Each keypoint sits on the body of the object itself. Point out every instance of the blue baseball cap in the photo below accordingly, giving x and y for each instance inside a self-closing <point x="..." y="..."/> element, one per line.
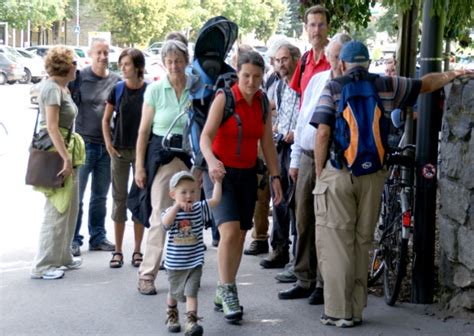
<point x="354" y="52"/>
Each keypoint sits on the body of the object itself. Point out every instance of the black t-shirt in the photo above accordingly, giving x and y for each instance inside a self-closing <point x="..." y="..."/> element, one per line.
<point x="127" y="117"/>
<point x="92" y="91"/>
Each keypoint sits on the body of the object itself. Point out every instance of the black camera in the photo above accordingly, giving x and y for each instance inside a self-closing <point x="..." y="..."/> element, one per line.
<point x="278" y="140"/>
<point x="175" y="141"/>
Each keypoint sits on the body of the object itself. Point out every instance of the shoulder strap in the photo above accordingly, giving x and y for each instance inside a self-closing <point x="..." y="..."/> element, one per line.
<point x="279" y="91"/>
<point x="75" y="88"/>
<point x="304" y="58"/>
<point x="229" y="107"/>
<point x="119" y="89"/>
<point x="265" y="107"/>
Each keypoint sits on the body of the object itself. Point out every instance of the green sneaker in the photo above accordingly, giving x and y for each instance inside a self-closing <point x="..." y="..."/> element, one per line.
<point x="230" y="303"/>
<point x="192" y="328"/>
<point x="172" y="320"/>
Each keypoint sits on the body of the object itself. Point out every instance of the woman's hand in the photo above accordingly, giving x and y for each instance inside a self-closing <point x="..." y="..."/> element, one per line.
<point x="67" y="169"/>
<point x="112" y="151"/>
<point x="216" y="170"/>
<point x="277" y="192"/>
<point x="140" y="178"/>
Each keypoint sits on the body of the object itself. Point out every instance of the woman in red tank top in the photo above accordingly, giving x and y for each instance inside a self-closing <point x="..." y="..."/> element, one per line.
<point x="231" y="156"/>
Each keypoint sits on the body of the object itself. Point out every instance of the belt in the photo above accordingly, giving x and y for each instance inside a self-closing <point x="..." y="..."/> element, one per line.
<point x="309" y="153"/>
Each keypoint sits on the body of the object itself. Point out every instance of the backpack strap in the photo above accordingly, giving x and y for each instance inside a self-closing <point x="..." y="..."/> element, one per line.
<point x="119" y="89"/>
<point x="75" y="88"/>
<point x="304" y="58"/>
<point x="279" y="91"/>
<point x="229" y="111"/>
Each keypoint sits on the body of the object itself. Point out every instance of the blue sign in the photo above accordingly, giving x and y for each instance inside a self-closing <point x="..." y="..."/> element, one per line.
<point x="77" y="29"/>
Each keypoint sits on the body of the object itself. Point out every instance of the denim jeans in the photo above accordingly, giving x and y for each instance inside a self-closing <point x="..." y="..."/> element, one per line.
<point x="98" y="165"/>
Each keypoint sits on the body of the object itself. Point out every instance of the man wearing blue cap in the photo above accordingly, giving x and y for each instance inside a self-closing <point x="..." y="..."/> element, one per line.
<point x="347" y="206"/>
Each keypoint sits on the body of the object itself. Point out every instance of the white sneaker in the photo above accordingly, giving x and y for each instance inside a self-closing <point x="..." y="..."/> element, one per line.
<point x="75" y="264"/>
<point x="52" y="274"/>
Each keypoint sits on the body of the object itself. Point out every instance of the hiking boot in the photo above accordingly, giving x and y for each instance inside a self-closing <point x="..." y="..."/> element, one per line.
<point x="338" y="322"/>
<point x="257" y="247"/>
<point x="146" y="287"/>
<point x="218" y="297"/>
<point x="278" y="259"/>
<point x="172" y="320"/>
<point x="192" y="328"/>
<point x="288" y="275"/>
<point x="230" y="303"/>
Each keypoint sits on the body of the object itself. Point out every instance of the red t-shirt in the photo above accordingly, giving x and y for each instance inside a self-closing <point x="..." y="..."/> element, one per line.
<point x="225" y="143"/>
<point x="311" y="68"/>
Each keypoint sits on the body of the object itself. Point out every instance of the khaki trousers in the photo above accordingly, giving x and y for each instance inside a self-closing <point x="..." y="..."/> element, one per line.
<point x="306" y="262"/>
<point x="57" y="231"/>
<point x="262" y="207"/>
<point x="160" y="200"/>
<point x="347" y="210"/>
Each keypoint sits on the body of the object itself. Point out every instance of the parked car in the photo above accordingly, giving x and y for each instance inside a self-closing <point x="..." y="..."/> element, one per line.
<point x="10" y="71"/>
<point x="42" y="50"/>
<point x="84" y="60"/>
<point x="34" y="66"/>
<point x="35" y="92"/>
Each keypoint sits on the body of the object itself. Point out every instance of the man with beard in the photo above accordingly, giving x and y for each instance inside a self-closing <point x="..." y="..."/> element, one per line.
<point x="287" y="103"/>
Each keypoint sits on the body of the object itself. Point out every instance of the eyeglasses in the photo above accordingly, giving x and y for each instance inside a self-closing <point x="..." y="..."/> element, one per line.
<point x="74" y="63"/>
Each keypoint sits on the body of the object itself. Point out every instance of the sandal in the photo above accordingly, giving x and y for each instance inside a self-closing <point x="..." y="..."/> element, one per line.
<point x="117" y="260"/>
<point x="137" y="259"/>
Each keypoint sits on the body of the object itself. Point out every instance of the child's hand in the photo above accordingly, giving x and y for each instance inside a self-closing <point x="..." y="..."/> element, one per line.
<point x="185" y="206"/>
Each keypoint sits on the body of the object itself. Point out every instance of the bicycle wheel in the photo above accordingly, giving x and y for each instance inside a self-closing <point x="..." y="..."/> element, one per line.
<point x="376" y="267"/>
<point x="394" y="248"/>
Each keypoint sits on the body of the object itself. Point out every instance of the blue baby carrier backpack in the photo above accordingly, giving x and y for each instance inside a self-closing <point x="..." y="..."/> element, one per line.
<point x="207" y="73"/>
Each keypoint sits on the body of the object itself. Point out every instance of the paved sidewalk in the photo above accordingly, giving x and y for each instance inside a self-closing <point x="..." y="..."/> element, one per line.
<point x="97" y="300"/>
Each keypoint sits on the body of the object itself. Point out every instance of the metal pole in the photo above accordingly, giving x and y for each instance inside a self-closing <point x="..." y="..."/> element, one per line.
<point x="77" y="22"/>
<point x="429" y="121"/>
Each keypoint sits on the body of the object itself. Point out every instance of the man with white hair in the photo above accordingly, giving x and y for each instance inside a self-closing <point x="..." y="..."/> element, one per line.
<point x="302" y="171"/>
<point x="90" y="91"/>
<point x="347" y="206"/>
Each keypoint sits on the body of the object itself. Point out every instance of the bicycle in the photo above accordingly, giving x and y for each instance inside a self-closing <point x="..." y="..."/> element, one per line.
<point x="390" y="258"/>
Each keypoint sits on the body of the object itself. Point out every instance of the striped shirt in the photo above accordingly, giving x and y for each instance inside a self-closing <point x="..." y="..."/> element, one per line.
<point x="394" y="92"/>
<point x="185" y="248"/>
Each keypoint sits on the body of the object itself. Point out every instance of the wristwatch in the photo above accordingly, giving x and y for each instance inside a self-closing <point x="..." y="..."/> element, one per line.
<point x="275" y="177"/>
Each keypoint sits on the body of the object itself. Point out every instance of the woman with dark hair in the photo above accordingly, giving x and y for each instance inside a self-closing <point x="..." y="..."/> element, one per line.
<point x="58" y="113"/>
<point x="220" y="144"/>
<point x="126" y="99"/>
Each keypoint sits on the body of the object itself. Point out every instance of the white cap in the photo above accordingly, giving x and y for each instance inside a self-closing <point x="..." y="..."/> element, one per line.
<point x="182" y="175"/>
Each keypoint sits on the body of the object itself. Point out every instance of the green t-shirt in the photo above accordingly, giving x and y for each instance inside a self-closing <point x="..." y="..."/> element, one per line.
<point x="52" y="95"/>
<point x="162" y="97"/>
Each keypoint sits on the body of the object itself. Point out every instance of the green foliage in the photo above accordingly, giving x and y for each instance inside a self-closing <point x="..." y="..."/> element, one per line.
<point x="388" y="22"/>
<point x="41" y="13"/>
<point x="291" y="23"/>
<point x="133" y="21"/>
<point x="459" y="13"/>
<point x="344" y="12"/>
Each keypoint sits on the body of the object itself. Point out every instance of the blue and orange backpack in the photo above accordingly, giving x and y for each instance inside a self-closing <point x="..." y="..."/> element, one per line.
<point x="361" y="129"/>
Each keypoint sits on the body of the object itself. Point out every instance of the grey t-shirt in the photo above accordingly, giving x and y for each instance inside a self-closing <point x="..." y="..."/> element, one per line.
<point x="94" y="91"/>
<point x="52" y="94"/>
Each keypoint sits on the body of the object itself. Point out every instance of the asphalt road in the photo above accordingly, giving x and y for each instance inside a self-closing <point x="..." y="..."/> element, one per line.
<point x="97" y="300"/>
